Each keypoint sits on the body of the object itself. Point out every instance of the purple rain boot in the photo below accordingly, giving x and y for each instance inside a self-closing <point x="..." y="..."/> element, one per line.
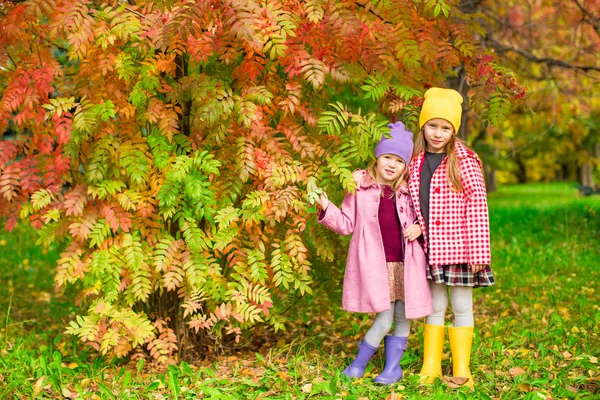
<point x="394" y="349"/>
<point x="356" y="369"/>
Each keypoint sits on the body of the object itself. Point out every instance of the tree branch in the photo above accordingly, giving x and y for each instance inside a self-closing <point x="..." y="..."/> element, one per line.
<point x="551" y="62"/>
<point x="594" y="21"/>
<point x="11" y="59"/>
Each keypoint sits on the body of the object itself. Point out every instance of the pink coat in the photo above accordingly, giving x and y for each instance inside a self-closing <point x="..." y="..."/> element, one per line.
<point x="458" y="222"/>
<point x="366" y="286"/>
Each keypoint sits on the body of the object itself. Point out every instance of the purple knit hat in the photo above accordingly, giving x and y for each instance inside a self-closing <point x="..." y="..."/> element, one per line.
<point x="400" y="144"/>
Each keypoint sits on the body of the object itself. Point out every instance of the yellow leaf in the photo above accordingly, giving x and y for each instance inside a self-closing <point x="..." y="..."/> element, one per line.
<point x="523" y="352"/>
<point x="575" y="329"/>
<point x="564" y="311"/>
<point x="307" y="388"/>
<point x="283" y="376"/>
<point x="37" y="388"/>
<point x="526" y="387"/>
<point x="593" y="359"/>
<point x="567" y="355"/>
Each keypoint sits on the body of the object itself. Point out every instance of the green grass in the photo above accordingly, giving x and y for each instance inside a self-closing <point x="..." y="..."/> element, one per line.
<point x="537" y="328"/>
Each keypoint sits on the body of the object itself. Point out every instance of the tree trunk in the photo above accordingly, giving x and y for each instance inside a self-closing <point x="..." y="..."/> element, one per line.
<point x="586" y="178"/>
<point x="490" y="178"/>
<point x="521" y="172"/>
<point x="491" y="183"/>
<point x="459" y="84"/>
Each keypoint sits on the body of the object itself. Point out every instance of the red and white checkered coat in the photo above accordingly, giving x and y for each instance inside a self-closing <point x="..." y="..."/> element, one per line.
<point x="458" y="222"/>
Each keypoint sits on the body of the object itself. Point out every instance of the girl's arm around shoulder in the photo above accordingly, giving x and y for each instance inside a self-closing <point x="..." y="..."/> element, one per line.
<point x="340" y="220"/>
<point x="413" y="230"/>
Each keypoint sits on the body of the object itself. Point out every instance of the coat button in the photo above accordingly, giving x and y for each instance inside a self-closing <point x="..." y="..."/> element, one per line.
<point x="437" y="190"/>
<point x="437" y="223"/>
<point x="401" y="209"/>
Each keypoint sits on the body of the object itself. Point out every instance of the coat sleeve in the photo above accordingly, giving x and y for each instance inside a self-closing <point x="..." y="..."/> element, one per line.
<point x="477" y="224"/>
<point x="411" y="210"/>
<point x="342" y="220"/>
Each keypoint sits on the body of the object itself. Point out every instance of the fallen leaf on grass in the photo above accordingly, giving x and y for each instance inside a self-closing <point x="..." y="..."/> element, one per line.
<point x="393" y="396"/>
<point x="37" y="388"/>
<point x="516" y="371"/>
<point x="68" y="394"/>
<point x="593" y="360"/>
<point x="564" y="312"/>
<point x="283" y="375"/>
<point x="526" y="387"/>
<point x="307" y="388"/>
<point x="572" y="389"/>
<point x="567" y="355"/>
<point x="455" y="382"/>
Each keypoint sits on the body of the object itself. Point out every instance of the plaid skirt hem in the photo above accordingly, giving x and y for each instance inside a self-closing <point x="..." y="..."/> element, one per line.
<point x="460" y="275"/>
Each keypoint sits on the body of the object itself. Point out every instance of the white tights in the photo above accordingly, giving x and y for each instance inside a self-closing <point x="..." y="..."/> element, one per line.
<point x="462" y="304"/>
<point x="383" y="324"/>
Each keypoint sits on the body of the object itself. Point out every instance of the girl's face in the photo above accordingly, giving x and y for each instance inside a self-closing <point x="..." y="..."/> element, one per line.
<point x="389" y="168"/>
<point x="438" y="133"/>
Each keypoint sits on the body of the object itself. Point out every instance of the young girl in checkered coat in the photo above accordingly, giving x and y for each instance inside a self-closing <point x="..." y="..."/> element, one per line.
<point x="447" y="186"/>
<point x="386" y="266"/>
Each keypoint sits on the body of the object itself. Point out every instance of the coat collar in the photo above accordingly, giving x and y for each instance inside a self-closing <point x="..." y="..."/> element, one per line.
<point x="368" y="182"/>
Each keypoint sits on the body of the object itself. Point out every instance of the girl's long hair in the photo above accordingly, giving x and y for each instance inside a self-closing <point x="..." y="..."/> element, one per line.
<point x="452" y="168"/>
<point x="400" y="181"/>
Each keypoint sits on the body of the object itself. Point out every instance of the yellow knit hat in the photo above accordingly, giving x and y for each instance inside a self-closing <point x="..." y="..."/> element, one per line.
<point x="442" y="103"/>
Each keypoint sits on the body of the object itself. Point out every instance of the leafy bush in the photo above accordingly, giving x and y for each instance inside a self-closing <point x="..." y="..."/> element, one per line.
<point x="167" y="147"/>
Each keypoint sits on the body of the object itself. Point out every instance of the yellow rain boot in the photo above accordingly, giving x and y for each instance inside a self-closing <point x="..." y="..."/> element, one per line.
<point x="461" y="339"/>
<point x="433" y="345"/>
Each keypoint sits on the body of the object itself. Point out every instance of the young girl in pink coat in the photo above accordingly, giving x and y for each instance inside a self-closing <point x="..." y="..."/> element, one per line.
<point x="447" y="187"/>
<point x="386" y="267"/>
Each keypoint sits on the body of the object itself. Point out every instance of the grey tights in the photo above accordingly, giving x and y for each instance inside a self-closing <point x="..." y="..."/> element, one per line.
<point x="462" y="304"/>
<point x="383" y="324"/>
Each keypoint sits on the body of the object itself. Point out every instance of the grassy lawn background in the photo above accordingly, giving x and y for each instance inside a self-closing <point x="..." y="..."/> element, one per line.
<point x="536" y="329"/>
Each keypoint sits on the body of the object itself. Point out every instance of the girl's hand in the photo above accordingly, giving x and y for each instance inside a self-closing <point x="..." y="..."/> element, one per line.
<point x="412" y="232"/>
<point x="323" y="202"/>
<point x="476" y="268"/>
<point x="358" y="176"/>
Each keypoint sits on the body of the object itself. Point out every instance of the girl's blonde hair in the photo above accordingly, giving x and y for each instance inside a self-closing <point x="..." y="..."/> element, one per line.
<point x="400" y="181"/>
<point x="452" y="167"/>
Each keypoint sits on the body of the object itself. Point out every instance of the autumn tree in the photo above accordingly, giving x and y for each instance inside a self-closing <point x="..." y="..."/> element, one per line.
<point x="167" y="146"/>
<point x="554" y="47"/>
